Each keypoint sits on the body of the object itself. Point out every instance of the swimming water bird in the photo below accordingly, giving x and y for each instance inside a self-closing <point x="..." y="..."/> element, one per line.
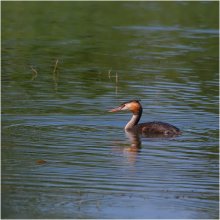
<point x="149" y="128"/>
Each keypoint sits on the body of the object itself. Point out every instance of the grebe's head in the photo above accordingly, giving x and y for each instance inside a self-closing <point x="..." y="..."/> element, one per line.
<point x="133" y="106"/>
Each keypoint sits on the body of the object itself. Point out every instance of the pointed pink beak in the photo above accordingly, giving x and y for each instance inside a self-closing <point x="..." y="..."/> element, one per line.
<point x="116" y="109"/>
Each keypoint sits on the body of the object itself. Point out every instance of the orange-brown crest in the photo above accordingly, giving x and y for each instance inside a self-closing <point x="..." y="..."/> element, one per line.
<point x="134" y="106"/>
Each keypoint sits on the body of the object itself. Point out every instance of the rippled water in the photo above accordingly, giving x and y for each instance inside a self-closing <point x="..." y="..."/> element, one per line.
<point x="64" y="155"/>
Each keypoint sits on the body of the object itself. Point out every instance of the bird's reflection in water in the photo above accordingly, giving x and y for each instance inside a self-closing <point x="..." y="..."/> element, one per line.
<point x="135" y="141"/>
<point x="131" y="151"/>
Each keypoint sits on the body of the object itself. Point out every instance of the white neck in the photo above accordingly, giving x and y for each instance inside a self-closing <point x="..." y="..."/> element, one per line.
<point x="134" y="121"/>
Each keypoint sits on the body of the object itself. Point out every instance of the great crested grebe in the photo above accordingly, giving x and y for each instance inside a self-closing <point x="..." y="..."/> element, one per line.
<point x="148" y="128"/>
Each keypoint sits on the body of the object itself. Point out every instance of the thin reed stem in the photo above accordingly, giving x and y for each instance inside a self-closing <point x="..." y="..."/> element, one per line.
<point x="34" y="73"/>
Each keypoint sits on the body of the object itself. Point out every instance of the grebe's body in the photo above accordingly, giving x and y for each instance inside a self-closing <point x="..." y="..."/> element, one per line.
<point x="148" y="128"/>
